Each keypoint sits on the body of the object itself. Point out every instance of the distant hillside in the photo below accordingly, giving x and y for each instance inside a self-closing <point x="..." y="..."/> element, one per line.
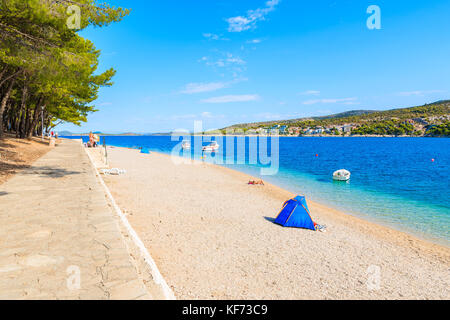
<point x="438" y="108"/>
<point x="346" y="114"/>
<point x="418" y="121"/>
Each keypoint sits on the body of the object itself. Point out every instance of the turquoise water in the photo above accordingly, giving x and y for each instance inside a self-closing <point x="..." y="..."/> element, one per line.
<point x="394" y="181"/>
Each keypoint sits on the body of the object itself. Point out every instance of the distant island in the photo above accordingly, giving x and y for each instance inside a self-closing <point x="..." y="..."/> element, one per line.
<point x="429" y="120"/>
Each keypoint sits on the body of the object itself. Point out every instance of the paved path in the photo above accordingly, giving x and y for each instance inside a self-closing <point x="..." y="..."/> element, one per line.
<point x="55" y="223"/>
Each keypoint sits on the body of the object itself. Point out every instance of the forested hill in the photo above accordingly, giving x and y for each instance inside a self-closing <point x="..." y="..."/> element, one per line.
<point x="439" y="108"/>
<point x="420" y="120"/>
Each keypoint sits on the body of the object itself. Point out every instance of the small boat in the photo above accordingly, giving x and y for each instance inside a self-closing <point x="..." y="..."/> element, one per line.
<point x="186" y="145"/>
<point x="213" y="146"/>
<point x="342" y="175"/>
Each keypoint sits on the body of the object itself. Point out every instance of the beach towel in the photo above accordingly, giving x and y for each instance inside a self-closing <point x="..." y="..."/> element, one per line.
<point x="113" y="172"/>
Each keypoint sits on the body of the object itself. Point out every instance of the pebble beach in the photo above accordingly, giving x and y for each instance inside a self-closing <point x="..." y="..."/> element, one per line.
<point x="212" y="236"/>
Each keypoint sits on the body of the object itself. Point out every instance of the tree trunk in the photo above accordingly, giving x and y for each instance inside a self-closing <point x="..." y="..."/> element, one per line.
<point x="34" y="122"/>
<point x="17" y="121"/>
<point x="3" y="105"/>
<point x="2" y="73"/>
<point x="20" y="132"/>
<point x="8" y="116"/>
<point x="27" y="123"/>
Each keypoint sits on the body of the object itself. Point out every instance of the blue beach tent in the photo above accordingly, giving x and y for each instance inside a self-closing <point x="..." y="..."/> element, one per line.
<point x="295" y="214"/>
<point x="145" y="150"/>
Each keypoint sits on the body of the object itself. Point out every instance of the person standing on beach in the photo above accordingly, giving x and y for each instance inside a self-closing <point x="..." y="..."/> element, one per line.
<point x="91" y="139"/>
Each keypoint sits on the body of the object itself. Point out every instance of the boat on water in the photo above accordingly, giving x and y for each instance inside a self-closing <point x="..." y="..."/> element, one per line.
<point x="186" y="145"/>
<point x="213" y="146"/>
<point x="341" y="175"/>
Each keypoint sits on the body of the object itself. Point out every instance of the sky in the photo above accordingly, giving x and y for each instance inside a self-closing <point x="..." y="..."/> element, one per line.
<point x="238" y="61"/>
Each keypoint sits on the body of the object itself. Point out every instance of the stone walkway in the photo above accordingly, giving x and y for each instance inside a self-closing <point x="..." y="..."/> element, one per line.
<point x="59" y="238"/>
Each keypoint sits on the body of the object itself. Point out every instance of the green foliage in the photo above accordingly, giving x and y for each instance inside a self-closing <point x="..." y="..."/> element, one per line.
<point x="390" y="122"/>
<point x="442" y="130"/>
<point x="389" y="127"/>
<point x="51" y="64"/>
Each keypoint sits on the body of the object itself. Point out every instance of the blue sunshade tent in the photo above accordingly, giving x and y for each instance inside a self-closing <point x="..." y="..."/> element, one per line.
<point x="295" y="214"/>
<point x="145" y="150"/>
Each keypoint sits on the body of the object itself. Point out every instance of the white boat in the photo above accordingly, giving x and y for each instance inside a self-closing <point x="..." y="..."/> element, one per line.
<point x="342" y="175"/>
<point x="186" y="145"/>
<point x="213" y="146"/>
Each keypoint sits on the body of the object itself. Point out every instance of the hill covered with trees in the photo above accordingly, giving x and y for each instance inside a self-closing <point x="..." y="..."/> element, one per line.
<point x="427" y="120"/>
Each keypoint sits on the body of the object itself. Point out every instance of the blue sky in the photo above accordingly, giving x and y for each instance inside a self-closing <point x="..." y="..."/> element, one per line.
<point x="233" y="61"/>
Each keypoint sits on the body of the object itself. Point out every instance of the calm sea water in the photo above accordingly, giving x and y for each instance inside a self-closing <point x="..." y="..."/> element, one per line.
<point x="394" y="180"/>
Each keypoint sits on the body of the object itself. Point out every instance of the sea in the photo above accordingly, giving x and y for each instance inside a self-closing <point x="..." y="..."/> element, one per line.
<point x="402" y="183"/>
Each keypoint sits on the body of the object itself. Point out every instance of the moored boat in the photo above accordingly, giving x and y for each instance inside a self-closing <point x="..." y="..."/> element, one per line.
<point x="341" y="175"/>
<point x="186" y="145"/>
<point x="213" y="146"/>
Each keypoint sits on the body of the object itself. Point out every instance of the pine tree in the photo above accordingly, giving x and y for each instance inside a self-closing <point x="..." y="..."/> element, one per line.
<point x="47" y="70"/>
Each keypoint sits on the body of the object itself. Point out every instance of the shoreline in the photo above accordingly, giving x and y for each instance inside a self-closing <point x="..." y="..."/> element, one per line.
<point x="286" y="194"/>
<point x="212" y="236"/>
<point x="366" y="219"/>
<point x="258" y="135"/>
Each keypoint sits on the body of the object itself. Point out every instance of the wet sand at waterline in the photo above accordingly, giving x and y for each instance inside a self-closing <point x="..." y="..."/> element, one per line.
<point x="212" y="237"/>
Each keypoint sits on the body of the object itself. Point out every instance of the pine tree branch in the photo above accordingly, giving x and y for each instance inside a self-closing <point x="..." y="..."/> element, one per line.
<point x="10" y="77"/>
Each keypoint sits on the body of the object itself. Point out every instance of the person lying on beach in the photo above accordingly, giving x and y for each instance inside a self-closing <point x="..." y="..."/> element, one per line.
<point x="252" y="182"/>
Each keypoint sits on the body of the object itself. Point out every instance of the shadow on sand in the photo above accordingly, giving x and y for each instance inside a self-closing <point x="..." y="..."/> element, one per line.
<point x="50" y="172"/>
<point x="270" y="219"/>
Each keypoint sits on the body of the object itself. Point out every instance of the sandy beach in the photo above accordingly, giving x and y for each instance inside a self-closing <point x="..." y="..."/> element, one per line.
<point x="17" y="154"/>
<point x="212" y="237"/>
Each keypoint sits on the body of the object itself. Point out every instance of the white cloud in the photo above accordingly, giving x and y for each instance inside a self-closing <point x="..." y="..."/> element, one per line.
<point x="206" y="114"/>
<point x="192" y="88"/>
<point x="227" y="60"/>
<point x="238" y="24"/>
<point x="419" y="93"/>
<point x="345" y="101"/>
<point x="225" y="63"/>
<point x="254" y="41"/>
<point x="242" y="23"/>
<point x="232" y="98"/>
<point x="310" y="93"/>
<point x="234" y="60"/>
<point x="212" y="36"/>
